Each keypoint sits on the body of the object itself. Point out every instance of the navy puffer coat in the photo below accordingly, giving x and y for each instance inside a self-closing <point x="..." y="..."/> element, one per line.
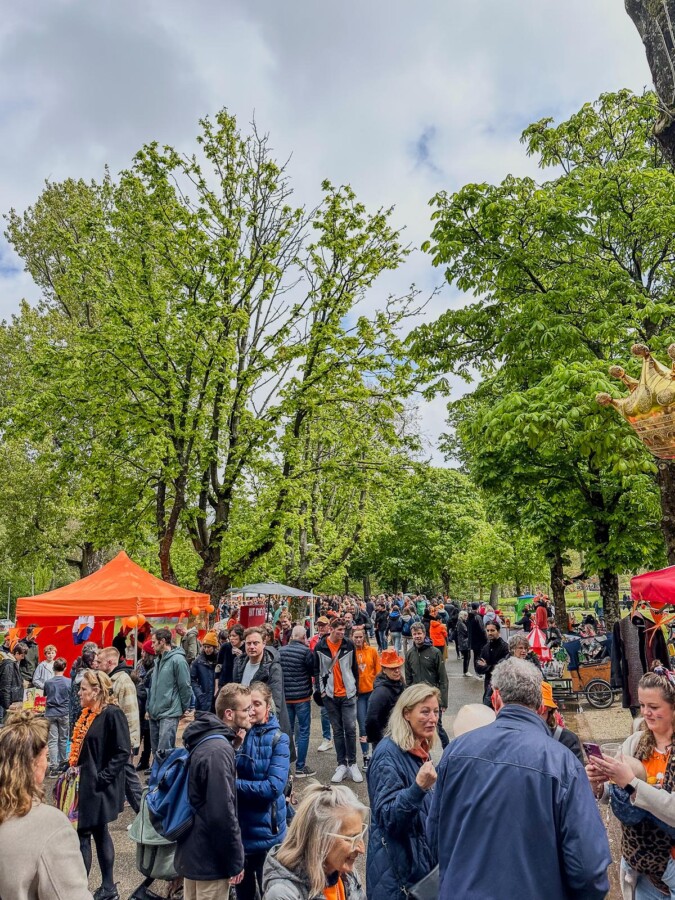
<point x="203" y="677"/>
<point x="398" y="853"/>
<point x="263" y="763"/>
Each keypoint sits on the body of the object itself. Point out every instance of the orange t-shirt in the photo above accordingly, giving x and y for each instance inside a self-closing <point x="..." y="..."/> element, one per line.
<point x="335" y="891"/>
<point x="338" y="683"/>
<point x="369" y="665"/>
<point x="655" y="767"/>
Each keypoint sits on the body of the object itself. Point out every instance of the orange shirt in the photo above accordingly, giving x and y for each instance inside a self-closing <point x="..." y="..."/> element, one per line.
<point x="338" y="683"/>
<point x="335" y="891"/>
<point x="369" y="665"/>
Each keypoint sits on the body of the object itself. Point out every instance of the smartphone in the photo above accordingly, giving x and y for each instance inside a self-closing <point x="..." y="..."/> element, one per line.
<point x="592" y="750"/>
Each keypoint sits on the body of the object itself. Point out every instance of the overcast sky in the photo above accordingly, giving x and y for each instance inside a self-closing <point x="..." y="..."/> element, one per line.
<point x="398" y="99"/>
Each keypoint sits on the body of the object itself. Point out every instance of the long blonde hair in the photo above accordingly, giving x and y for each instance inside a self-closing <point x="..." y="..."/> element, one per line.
<point x="399" y="729"/>
<point x="101" y="682"/>
<point x="22" y="739"/>
<point x="308" y="841"/>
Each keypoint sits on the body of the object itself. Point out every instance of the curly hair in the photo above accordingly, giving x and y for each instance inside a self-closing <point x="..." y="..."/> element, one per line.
<point x="22" y="739"/>
<point x="662" y="680"/>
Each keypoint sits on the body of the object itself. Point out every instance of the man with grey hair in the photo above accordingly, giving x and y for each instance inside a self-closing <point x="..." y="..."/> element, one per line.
<point x="297" y="666"/>
<point x="509" y="790"/>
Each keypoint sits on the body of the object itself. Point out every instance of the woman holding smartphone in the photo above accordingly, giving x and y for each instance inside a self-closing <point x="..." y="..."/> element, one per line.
<point x="647" y="766"/>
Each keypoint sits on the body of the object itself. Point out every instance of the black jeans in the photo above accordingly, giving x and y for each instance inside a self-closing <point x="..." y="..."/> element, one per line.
<point x="342" y="715"/>
<point x="445" y="740"/>
<point x="251" y="883"/>
<point x="466" y="659"/>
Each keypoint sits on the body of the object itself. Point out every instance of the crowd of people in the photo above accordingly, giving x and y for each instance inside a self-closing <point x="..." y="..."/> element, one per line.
<point x="510" y="786"/>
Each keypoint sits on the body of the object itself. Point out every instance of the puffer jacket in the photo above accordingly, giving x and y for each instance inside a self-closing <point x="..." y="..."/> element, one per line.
<point x="323" y="667"/>
<point x="297" y="664"/>
<point x="380" y="704"/>
<point x="280" y="883"/>
<point x="463" y="637"/>
<point x="398" y="853"/>
<point x="170" y="690"/>
<point x="438" y="633"/>
<point x="203" y="677"/>
<point x="263" y="764"/>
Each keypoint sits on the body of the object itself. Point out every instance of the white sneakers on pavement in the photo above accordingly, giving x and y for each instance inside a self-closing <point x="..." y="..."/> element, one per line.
<point x="325" y="745"/>
<point x="339" y="775"/>
<point x="355" y="773"/>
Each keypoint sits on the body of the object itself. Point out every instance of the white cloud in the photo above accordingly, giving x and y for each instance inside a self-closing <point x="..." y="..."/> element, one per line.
<point x="398" y="99"/>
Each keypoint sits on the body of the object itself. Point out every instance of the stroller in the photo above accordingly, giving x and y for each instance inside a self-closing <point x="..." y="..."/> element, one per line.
<point x="154" y="857"/>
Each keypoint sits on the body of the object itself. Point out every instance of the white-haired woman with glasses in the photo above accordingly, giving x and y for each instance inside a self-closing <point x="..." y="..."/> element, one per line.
<point x="401" y="777"/>
<point x="318" y="856"/>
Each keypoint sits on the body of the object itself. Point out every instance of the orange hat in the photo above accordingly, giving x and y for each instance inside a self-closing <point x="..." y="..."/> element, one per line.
<point x="390" y="659"/>
<point x="547" y="696"/>
<point x="210" y="639"/>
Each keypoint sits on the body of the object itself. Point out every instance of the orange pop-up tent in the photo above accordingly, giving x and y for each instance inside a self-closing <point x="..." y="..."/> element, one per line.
<point x="120" y="588"/>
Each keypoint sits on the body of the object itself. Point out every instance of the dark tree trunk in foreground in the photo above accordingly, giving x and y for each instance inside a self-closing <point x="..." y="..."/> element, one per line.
<point x="366" y="587"/>
<point x="494" y="595"/>
<point x="558" y="591"/>
<point x="609" y="592"/>
<point x="666" y="481"/>
<point x="655" y="22"/>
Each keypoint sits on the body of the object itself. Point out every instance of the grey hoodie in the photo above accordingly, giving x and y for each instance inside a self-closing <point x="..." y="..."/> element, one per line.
<point x="280" y="883"/>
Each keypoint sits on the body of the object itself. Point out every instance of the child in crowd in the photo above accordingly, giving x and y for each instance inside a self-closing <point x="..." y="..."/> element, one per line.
<point x="57" y="693"/>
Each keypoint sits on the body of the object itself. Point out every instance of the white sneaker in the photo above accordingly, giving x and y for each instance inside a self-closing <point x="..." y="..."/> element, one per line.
<point x="355" y="773"/>
<point x="325" y="745"/>
<point x="467" y="674"/>
<point x="339" y="775"/>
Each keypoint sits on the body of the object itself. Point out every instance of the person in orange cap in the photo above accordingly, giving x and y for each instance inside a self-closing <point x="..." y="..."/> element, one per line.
<point x="548" y="712"/>
<point x="389" y="685"/>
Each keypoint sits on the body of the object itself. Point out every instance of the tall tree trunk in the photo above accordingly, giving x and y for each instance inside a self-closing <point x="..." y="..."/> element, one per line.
<point x="666" y="482"/>
<point x="609" y="592"/>
<point x="366" y="587"/>
<point x="518" y="589"/>
<point x="347" y="583"/>
<point x="480" y="591"/>
<point x="494" y="594"/>
<point x="445" y="576"/>
<point x="404" y="585"/>
<point x="655" y="22"/>
<point x="558" y="590"/>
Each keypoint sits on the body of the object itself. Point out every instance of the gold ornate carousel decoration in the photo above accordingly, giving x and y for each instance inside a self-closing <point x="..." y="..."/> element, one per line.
<point x="650" y="406"/>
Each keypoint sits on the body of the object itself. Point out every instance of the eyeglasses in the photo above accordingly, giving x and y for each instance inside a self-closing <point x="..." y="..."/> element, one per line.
<point x="354" y="840"/>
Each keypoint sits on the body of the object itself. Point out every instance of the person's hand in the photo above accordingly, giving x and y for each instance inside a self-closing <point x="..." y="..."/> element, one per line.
<point x="481" y="663"/>
<point x="617" y="770"/>
<point x="236" y="651"/>
<point x="596" y="777"/>
<point x="237" y="879"/>
<point x="427" y="775"/>
<point x="239" y="738"/>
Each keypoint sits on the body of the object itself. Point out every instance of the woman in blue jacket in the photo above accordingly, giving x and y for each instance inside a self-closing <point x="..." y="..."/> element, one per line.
<point x="401" y="776"/>
<point x="263" y="765"/>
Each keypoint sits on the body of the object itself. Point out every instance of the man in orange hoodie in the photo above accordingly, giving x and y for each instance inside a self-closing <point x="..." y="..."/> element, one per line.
<point x="438" y="633"/>
<point x="369" y="666"/>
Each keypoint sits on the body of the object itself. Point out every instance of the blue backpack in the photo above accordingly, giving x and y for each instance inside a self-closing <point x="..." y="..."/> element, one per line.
<point x="169" y="807"/>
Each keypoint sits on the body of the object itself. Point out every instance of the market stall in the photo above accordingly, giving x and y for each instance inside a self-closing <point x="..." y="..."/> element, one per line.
<point x="87" y="609"/>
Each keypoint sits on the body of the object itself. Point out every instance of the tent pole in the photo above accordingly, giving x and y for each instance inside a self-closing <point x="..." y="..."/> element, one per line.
<point x="135" y="645"/>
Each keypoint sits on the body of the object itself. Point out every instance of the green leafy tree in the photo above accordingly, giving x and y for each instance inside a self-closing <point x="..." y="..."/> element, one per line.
<point x="197" y="333"/>
<point x="567" y="275"/>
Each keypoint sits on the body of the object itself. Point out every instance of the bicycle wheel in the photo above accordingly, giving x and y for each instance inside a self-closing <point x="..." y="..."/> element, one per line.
<point x="599" y="693"/>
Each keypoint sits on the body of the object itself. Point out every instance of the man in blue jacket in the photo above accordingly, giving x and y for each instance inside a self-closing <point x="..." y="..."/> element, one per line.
<point x="509" y="792"/>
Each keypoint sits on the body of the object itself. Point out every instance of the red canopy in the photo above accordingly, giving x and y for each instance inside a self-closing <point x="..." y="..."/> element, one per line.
<point x="657" y="588"/>
<point x="120" y="588"/>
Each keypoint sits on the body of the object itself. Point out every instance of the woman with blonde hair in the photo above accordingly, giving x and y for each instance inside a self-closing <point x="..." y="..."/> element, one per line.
<point x="323" y="842"/>
<point x="38" y="847"/>
<point x="100" y="748"/>
<point x="400" y="778"/>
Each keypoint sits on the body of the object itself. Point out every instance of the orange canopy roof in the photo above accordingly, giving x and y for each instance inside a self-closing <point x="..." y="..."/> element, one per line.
<point x="120" y="588"/>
